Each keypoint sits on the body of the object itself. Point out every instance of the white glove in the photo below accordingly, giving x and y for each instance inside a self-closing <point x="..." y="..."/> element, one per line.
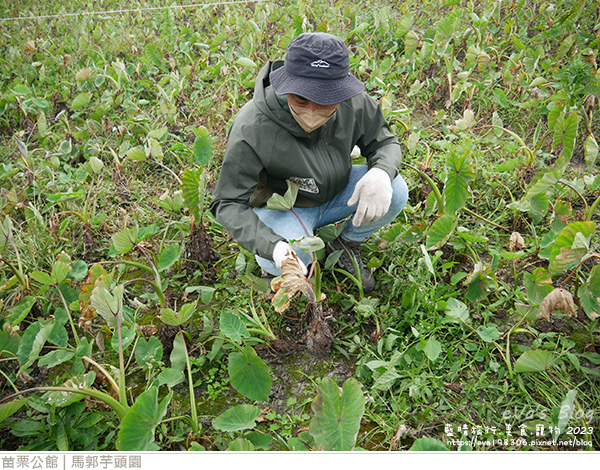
<point x="373" y="192"/>
<point x="284" y="251"/>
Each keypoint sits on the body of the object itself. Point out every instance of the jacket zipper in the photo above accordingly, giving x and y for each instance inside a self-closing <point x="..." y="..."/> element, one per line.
<point x="325" y="167"/>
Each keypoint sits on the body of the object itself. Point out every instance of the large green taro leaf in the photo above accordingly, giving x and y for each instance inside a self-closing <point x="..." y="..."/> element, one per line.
<point x="336" y="422"/>
<point x="137" y="427"/>
<point x="249" y="375"/>
<point x="238" y="418"/>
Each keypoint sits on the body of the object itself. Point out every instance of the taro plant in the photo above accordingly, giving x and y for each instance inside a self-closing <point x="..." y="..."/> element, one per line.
<point x="568" y="245"/>
<point x="79" y="202"/>
<point x="334" y="427"/>
<point x="449" y="203"/>
<point x="532" y="360"/>
<point x="566" y="253"/>
<point x="192" y="182"/>
<point x="338" y="413"/>
<point x="61" y="269"/>
<point x="28" y="347"/>
<point x="110" y="306"/>
<point x="193" y="186"/>
<point x="239" y="419"/>
<point x="454" y="195"/>
<point x="257" y="323"/>
<point x="23" y="99"/>
<point x="248" y="375"/>
<point x="48" y="427"/>
<point x="128" y="239"/>
<point x="290" y="283"/>
<point x="138" y="421"/>
<point x="180" y="358"/>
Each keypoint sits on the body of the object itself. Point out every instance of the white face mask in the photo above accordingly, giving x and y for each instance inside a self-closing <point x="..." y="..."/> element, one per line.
<point x="311" y="120"/>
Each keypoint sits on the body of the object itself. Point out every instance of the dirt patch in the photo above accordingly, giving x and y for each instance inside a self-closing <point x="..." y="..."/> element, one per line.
<point x="302" y="350"/>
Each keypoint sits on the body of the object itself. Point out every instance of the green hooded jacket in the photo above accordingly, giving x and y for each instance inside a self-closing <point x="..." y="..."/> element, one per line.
<point x="266" y="147"/>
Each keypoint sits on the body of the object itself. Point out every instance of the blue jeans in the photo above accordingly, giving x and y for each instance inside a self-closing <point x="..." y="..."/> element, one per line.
<point x="286" y="224"/>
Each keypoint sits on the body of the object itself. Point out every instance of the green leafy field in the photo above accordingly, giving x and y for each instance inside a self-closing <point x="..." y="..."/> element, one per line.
<point x="132" y="321"/>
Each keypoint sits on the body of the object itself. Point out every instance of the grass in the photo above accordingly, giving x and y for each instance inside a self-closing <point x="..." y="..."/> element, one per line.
<point x="450" y="337"/>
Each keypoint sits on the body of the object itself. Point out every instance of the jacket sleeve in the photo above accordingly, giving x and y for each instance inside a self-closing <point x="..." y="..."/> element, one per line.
<point x="231" y="200"/>
<point x="377" y="142"/>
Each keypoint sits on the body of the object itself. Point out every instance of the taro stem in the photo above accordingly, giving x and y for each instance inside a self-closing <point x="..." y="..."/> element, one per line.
<point x="110" y="307"/>
<point x="117" y="407"/>
<point x="194" y="412"/>
<point x="312" y="265"/>
<point x="122" y="389"/>
<point x="434" y="187"/>
<point x="68" y="310"/>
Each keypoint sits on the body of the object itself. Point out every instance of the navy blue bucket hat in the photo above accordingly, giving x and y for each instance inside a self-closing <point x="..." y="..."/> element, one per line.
<point x="317" y="67"/>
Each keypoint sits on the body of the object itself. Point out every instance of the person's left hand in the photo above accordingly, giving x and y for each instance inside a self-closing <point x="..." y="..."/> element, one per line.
<point x="373" y="193"/>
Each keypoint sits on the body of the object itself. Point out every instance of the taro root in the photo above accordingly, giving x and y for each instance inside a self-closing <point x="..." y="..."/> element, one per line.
<point x="318" y="337"/>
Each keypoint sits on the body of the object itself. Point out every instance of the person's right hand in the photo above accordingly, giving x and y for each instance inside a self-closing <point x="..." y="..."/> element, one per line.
<point x="284" y="251"/>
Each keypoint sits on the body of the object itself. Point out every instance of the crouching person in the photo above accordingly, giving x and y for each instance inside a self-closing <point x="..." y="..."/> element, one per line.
<point x="307" y="114"/>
